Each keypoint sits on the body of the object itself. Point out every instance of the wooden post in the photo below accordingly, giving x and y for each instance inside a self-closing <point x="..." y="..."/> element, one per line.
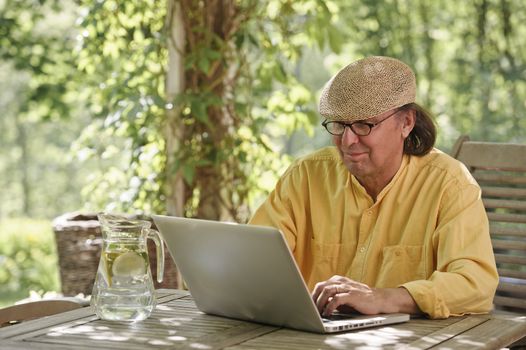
<point x="174" y="129"/>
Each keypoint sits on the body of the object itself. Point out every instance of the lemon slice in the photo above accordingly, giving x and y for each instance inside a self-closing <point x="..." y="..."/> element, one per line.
<point x="129" y="264"/>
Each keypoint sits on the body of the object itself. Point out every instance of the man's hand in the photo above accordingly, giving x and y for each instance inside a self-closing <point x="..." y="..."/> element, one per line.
<point x="340" y="292"/>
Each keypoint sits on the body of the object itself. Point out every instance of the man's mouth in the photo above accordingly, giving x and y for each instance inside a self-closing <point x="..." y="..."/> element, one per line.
<point x="354" y="155"/>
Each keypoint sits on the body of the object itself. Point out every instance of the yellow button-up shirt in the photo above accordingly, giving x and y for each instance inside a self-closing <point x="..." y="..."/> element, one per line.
<point x="427" y="231"/>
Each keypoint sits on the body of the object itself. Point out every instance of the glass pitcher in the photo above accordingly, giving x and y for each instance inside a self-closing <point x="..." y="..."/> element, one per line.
<point x="123" y="289"/>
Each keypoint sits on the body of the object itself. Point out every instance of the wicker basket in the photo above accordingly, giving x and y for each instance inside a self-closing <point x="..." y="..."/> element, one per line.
<point x="79" y="243"/>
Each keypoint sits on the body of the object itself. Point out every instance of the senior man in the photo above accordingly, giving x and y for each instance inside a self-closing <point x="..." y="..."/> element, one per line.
<point x="383" y="222"/>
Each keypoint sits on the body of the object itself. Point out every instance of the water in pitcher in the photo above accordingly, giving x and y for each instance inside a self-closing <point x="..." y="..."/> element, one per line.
<point x="123" y="289"/>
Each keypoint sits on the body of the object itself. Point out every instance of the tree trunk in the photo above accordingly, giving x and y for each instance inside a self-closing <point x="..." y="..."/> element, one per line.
<point x="21" y="141"/>
<point x="428" y="42"/>
<point x="485" y="90"/>
<point x="196" y="81"/>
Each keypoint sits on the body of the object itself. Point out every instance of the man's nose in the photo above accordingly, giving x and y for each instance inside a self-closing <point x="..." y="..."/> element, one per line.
<point x="348" y="136"/>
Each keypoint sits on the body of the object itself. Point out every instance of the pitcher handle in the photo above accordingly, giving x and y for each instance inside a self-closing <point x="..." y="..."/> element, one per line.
<point x="159" y="248"/>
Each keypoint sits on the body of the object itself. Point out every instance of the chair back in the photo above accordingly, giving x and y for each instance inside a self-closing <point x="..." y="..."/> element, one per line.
<point x="36" y="309"/>
<point x="500" y="170"/>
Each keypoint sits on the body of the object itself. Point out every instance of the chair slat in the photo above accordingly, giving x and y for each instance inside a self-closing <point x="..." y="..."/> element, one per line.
<point x="505" y="217"/>
<point x="512" y="288"/>
<point x="512" y="273"/>
<point x="499" y="178"/>
<point x="499" y="230"/>
<point x="509" y="301"/>
<point x="510" y="259"/>
<point x="506" y="192"/>
<point x="491" y="155"/>
<point x="504" y="203"/>
<point x="508" y="244"/>
<point x="36" y="309"/>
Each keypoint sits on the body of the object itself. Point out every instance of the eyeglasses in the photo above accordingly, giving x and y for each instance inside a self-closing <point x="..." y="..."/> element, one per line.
<point x="360" y="128"/>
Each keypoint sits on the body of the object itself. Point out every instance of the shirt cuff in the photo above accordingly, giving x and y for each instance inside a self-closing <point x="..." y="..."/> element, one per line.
<point x="428" y="299"/>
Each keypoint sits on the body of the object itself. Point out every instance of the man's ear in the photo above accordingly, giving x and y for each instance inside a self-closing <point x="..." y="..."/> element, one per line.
<point x="408" y="122"/>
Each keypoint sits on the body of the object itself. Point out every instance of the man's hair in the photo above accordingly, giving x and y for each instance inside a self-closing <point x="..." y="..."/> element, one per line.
<point x="423" y="136"/>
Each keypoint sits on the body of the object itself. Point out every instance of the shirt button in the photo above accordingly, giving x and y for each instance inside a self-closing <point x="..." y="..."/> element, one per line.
<point x="362" y="249"/>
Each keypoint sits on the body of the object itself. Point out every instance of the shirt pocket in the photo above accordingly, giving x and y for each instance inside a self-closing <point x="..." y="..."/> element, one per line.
<point x="329" y="259"/>
<point x="401" y="264"/>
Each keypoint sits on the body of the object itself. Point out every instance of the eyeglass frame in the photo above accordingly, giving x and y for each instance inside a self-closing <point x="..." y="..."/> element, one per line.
<point x="350" y="125"/>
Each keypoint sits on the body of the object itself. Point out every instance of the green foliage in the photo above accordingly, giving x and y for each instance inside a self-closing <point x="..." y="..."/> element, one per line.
<point x="28" y="259"/>
<point x="469" y="59"/>
<point x="38" y="177"/>
<point x="38" y="92"/>
<point x="123" y="52"/>
<point x="121" y="55"/>
<point x="250" y="94"/>
<point x="42" y="53"/>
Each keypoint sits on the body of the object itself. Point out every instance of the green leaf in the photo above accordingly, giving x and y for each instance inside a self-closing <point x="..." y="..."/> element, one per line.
<point x="199" y="110"/>
<point x="188" y="173"/>
<point x="213" y="55"/>
<point x="202" y="162"/>
<point x="203" y="64"/>
<point x="279" y="72"/>
<point x="335" y="39"/>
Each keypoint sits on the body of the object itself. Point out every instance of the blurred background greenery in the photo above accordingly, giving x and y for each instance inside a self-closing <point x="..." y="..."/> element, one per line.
<point x="90" y="122"/>
<point x="28" y="259"/>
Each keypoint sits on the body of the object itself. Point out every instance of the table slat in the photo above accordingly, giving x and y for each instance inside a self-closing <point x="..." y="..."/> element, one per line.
<point x="446" y="333"/>
<point x="494" y="334"/>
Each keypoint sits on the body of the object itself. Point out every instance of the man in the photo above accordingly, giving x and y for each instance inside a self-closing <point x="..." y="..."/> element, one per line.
<point x="383" y="222"/>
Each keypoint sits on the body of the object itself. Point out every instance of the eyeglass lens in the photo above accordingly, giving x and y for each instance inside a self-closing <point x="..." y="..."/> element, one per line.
<point x="336" y="128"/>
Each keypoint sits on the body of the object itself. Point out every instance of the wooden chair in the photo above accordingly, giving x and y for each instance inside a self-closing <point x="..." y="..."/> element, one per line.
<point x="500" y="170"/>
<point x="31" y="310"/>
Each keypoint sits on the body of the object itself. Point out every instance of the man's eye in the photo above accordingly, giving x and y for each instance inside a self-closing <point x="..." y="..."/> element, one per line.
<point x="361" y="125"/>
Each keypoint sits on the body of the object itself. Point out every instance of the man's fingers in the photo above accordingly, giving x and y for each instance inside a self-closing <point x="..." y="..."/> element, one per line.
<point x="336" y="301"/>
<point x="321" y="297"/>
<point x="332" y="293"/>
<point x="339" y="291"/>
<point x="327" y="294"/>
<point x="318" y="287"/>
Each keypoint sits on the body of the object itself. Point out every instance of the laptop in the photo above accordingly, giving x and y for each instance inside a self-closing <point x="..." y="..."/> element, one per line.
<point x="247" y="272"/>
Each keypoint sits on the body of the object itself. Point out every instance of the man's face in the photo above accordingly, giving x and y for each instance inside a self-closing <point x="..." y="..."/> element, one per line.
<point x="379" y="153"/>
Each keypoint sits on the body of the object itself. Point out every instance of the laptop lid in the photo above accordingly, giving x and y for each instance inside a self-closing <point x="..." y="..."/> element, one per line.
<point x="247" y="272"/>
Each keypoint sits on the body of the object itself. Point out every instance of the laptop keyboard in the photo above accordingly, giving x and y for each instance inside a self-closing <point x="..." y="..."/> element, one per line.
<point x="337" y="316"/>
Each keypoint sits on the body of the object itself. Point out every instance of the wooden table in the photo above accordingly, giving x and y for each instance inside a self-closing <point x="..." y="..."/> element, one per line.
<point x="177" y="324"/>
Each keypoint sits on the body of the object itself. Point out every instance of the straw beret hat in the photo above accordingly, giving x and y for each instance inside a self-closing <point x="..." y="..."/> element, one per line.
<point x="367" y="88"/>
